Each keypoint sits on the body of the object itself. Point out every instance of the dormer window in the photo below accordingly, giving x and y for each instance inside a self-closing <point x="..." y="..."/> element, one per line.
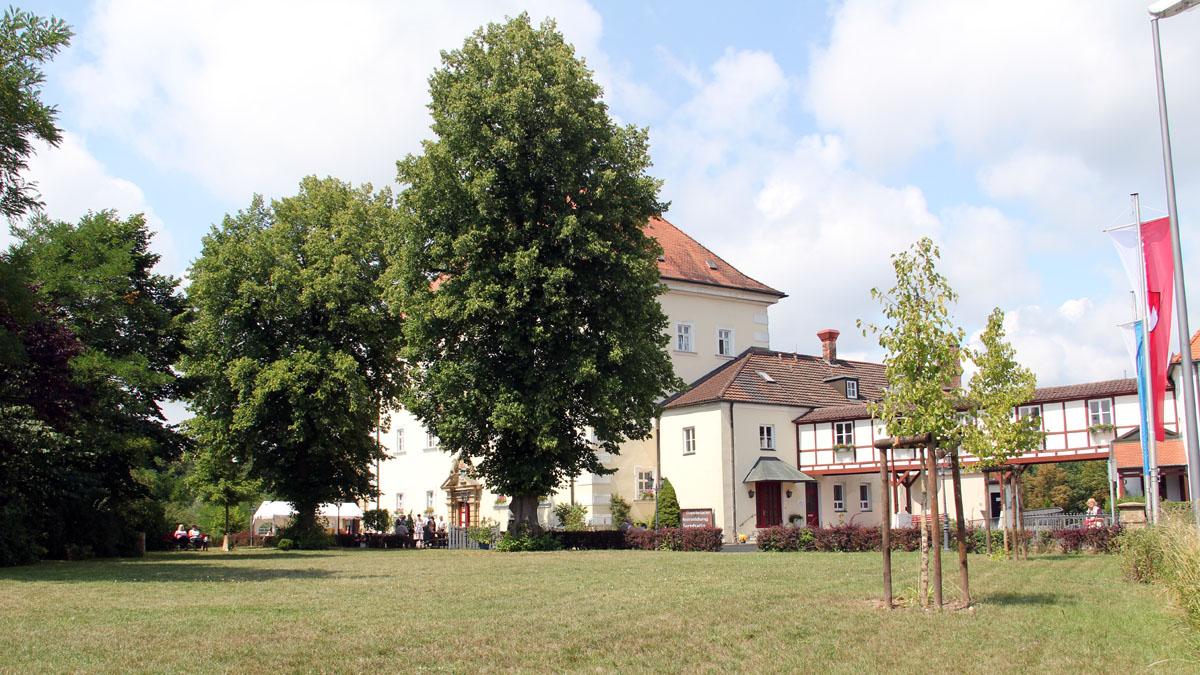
<point x="712" y="265"/>
<point x="852" y="389"/>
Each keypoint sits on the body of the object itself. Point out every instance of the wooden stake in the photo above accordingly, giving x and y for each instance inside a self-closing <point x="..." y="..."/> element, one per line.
<point x="886" y="527"/>
<point x="987" y="510"/>
<point x="923" y="582"/>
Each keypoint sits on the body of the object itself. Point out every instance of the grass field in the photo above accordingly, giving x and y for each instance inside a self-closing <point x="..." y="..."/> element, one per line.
<point x="390" y="611"/>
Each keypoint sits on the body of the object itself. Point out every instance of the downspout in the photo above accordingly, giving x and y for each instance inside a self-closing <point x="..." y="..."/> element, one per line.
<point x="732" y="474"/>
<point x="657" y="462"/>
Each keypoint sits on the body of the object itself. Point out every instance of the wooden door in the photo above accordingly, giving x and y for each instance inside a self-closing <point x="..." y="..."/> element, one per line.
<point x="812" y="505"/>
<point x="464" y="514"/>
<point x="770" y="506"/>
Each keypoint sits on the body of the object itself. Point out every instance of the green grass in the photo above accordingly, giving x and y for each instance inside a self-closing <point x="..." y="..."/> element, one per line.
<point x="374" y="611"/>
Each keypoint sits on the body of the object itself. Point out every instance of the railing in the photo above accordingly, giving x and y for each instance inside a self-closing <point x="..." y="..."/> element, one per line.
<point x="456" y="538"/>
<point x="1063" y="521"/>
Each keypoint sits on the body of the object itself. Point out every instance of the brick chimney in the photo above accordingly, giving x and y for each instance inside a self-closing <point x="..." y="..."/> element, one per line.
<point x="828" y="339"/>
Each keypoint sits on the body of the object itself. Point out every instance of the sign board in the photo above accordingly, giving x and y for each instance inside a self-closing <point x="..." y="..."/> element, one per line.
<point x="695" y="517"/>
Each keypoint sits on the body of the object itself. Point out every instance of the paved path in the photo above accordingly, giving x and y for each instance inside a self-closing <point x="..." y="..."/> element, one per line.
<point x="739" y="548"/>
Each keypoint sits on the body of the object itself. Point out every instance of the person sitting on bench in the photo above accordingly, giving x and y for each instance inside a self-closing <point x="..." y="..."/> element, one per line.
<point x="196" y="538"/>
<point x="181" y="536"/>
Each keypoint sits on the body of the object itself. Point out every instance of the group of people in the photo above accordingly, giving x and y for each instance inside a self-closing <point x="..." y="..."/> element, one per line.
<point x="184" y="536"/>
<point x="424" y="530"/>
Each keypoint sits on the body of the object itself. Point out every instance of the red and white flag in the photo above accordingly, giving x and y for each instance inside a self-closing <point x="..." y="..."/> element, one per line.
<point x="1160" y="285"/>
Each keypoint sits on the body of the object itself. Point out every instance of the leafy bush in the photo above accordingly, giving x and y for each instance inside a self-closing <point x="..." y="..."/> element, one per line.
<point x="591" y="540"/>
<point x="668" y="506"/>
<point x="675" y="539"/>
<point x="1094" y="539"/>
<point x="859" y="538"/>
<point x="573" y="517"/>
<point x="513" y="542"/>
<point x="619" y="508"/>
<point x="484" y="533"/>
<point x="285" y="544"/>
<point x="377" y="520"/>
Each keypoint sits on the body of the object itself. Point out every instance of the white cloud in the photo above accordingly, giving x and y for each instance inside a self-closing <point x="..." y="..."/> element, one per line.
<point x="73" y="182"/>
<point x="252" y="97"/>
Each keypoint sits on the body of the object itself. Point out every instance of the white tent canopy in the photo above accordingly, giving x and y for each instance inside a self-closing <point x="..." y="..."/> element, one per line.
<point x="270" y="510"/>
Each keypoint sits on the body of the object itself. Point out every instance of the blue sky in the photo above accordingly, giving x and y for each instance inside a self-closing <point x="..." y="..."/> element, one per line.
<point x="803" y="142"/>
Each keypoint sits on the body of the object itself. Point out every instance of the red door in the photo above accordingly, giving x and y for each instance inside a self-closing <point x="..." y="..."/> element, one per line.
<point x="770" y="506"/>
<point x="464" y="514"/>
<point x="812" y="515"/>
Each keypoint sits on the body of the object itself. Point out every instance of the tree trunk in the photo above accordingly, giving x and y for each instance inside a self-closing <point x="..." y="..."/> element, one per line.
<point x="964" y="577"/>
<point x="1022" y="544"/>
<point x="923" y="585"/>
<point x="935" y="523"/>
<point x="225" y="540"/>
<point x="987" y="512"/>
<point x="886" y="528"/>
<point x="524" y="510"/>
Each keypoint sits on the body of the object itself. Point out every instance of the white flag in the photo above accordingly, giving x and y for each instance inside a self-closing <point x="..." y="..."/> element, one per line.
<point x="1129" y="332"/>
<point x="1125" y="240"/>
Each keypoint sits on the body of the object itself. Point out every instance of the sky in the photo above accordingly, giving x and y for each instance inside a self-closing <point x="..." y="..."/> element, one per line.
<point x="803" y="142"/>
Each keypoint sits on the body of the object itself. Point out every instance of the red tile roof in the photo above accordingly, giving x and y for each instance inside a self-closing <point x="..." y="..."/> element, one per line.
<point x="1195" y="350"/>
<point x="1129" y="454"/>
<point x="685" y="259"/>
<point x="797" y="380"/>
<point x="1087" y="390"/>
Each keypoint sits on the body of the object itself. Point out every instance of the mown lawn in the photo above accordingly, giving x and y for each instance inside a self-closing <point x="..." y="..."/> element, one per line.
<point x="389" y="611"/>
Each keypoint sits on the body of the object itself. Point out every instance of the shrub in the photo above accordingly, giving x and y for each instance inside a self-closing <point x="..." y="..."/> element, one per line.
<point x="619" y="509"/>
<point x="521" y="540"/>
<point x="377" y="520"/>
<point x="591" y="540"/>
<point x="573" y="517"/>
<point x="675" y="539"/>
<point x="668" y="506"/>
<point x="285" y="544"/>
<point x="1094" y="539"/>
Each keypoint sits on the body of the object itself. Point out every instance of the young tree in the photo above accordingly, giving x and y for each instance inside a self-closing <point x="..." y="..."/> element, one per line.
<point x="528" y="285"/>
<point x="293" y="347"/>
<point x="998" y="387"/>
<point x="668" y="505"/>
<point x="221" y="480"/>
<point x="26" y="41"/>
<point x="921" y="362"/>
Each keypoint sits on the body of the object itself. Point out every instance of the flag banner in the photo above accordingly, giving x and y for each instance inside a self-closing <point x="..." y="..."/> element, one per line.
<point x="1125" y="240"/>
<point x="1132" y="332"/>
<point x="1160" y="283"/>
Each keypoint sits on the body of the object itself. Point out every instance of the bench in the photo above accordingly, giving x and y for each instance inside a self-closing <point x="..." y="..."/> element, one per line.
<point x="171" y="543"/>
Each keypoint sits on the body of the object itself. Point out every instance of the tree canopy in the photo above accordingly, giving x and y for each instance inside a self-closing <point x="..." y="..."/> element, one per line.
<point x="293" y="348"/>
<point x="997" y="388"/>
<point x="26" y="41"/>
<point x="528" y="284"/>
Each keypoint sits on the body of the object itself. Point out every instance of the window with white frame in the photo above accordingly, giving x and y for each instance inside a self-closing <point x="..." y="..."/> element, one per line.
<point x="851" y="388"/>
<point x="645" y="483"/>
<point x="1100" y="411"/>
<point x="766" y="437"/>
<point x="689" y="440"/>
<point x="864" y="496"/>
<point x="683" y="337"/>
<point x="399" y="501"/>
<point x="431" y="441"/>
<point x="399" y="442"/>
<point x="1024" y="411"/>
<point x="843" y="433"/>
<point x="725" y="342"/>
<point x="839" y="497"/>
<point x="429" y="499"/>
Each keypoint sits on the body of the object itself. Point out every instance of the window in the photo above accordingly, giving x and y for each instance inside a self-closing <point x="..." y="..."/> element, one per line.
<point x="851" y="388"/>
<point x="766" y="437"/>
<point x="683" y="337"/>
<point x="1100" y="412"/>
<point x="843" y="433"/>
<point x="864" y="496"/>
<point x="429" y="499"/>
<point x="725" y="342"/>
<point x="1024" y="411"/>
<point x="431" y="441"/>
<point x="645" y="483"/>
<point x="839" y="497"/>
<point x="399" y="501"/>
<point x="399" y="442"/>
<point x="689" y="440"/>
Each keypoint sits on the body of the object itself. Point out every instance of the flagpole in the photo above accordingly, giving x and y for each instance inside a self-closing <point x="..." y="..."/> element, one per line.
<point x="1150" y="461"/>
<point x="1185" y="338"/>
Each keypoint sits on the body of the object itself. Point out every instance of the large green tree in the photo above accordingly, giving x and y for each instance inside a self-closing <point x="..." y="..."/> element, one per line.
<point x="295" y="351"/>
<point x="528" y="283"/>
<point x="26" y="41"/>
<point x="97" y="276"/>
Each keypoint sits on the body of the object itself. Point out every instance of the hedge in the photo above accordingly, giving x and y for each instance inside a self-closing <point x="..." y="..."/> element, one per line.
<point x="675" y="539"/>
<point x="860" y="538"/>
